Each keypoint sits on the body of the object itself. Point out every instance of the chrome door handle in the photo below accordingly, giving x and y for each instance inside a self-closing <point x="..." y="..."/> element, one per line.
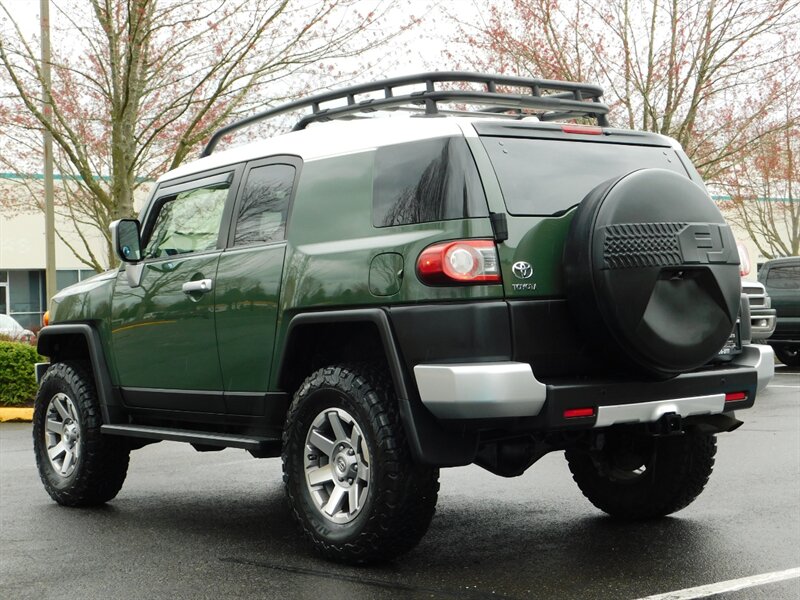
<point x="201" y="285"/>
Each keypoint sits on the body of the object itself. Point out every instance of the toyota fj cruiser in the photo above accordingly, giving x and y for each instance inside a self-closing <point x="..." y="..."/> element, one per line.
<point x="486" y="281"/>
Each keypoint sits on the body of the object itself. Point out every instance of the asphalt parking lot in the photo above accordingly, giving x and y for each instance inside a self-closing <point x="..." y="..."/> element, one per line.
<point x="215" y="525"/>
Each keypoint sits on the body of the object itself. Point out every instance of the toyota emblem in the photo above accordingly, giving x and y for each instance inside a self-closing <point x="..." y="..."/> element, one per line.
<point x="522" y="269"/>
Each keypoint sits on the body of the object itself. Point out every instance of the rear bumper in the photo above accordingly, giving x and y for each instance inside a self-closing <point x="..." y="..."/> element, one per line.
<point x="501" y="390"/>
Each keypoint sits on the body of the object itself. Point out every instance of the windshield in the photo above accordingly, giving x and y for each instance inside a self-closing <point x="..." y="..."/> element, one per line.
<point x="542" y="177"/>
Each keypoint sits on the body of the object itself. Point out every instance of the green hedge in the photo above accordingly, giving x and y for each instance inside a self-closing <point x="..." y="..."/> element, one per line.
<point x="17" y="378"/>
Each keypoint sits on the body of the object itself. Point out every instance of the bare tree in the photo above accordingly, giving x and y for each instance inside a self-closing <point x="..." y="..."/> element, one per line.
<point x="701" y="71"/>
<point x="763" y="191"/>
<point x="138" y="85"/>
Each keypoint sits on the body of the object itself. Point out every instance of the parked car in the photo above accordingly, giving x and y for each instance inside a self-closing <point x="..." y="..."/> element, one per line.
<point x="373" y="299"/>
<point x="762" y="315"/>
<point x="781" y="279"/>
<point x="10" y="328"/>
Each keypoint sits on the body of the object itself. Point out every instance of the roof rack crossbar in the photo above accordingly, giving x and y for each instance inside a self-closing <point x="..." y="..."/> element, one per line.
<point x="562" y="98"/>
<point x="564" y="108"/>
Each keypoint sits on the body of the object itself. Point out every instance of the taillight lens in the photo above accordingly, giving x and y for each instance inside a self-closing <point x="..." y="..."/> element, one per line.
<point x="461" y="261"/>
<point x="744" y="259"/>
<point x="582" y="129"/>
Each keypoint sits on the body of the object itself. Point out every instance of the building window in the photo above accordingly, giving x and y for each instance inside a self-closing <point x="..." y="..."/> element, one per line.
<point x="65" y="279"/>
<point x="26" y="297"/>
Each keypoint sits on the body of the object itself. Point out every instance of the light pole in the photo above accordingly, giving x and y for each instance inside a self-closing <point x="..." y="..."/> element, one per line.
<point x="49" y="210"/>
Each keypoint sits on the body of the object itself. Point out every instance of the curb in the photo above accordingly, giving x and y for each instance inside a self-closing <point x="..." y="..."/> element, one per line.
<point x="7" y="415"/>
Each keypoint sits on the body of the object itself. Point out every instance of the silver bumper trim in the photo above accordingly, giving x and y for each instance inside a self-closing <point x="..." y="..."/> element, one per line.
<point x="480" y="390"/>
<point x="649" y="412"/>
<point x="760" y="357"/>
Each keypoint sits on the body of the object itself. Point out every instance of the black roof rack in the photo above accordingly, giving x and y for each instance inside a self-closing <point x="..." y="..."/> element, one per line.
<point x="552" y="99"/>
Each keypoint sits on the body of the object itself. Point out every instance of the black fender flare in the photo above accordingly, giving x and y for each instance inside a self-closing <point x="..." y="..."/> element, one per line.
<point x="59" y="343"/>
<point x="429" y="442"/>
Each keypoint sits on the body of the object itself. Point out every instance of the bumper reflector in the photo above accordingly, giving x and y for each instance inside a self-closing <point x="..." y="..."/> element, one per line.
<point x="574" y="413"/>
<point x="735" y="396"/>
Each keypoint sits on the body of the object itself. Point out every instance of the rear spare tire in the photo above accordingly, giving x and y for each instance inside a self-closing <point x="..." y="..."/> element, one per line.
<point x="652" y="271"/>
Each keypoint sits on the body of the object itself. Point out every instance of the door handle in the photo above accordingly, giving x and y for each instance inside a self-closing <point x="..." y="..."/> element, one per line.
<point x="201" y="285"/>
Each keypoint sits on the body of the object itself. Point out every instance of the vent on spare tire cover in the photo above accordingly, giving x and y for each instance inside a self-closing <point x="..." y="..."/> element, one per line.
<point x="632" y="245"/>
<point x="652" y="271"/>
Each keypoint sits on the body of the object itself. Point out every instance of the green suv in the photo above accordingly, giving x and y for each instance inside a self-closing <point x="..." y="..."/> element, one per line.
<point x="488" y="274"/>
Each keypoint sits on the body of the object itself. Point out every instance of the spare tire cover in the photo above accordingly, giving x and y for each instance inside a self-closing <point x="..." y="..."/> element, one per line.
<point x="652" y="271"/>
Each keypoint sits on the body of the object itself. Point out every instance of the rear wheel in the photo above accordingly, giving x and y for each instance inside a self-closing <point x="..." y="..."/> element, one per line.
<point x="641" y="476"/>
<point x="788" y="355"/>
<point x="77" y="464"/>
<point x="350" y="480"/>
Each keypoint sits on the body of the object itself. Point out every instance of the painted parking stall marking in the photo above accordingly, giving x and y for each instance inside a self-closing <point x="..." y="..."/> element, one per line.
<point x="732" y="585"/>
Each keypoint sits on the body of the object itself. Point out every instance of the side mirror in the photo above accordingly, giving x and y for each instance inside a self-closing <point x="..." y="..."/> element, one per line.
<point x="126" y="239"/>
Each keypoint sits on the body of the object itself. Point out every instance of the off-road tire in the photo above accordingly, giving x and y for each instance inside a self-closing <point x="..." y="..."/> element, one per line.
<point x="790" y="356"/>
<point x="677" y="470"/>
<point x="102" y="461"/>
<point x="401" y="497"/>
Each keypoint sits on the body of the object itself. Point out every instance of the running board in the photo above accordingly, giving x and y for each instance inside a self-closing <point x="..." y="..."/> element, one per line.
<point x="200" y="438"/>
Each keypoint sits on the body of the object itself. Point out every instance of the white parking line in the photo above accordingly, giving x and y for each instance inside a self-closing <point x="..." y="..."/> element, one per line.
<point x="791" y="387"/>
<point x="732" y="585"/>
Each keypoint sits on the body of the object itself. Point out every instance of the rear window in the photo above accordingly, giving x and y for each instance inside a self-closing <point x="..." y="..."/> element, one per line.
<point x="542" y="177"/>
<point x="428" y="180"/>
<point x="784" y="278"/>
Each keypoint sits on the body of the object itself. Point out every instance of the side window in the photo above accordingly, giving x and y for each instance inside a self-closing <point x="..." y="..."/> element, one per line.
<point x="188" y="221"/>
<point x="264" y="205"/>
<point x="429" y="180"/>
<point x="784" y="278"/>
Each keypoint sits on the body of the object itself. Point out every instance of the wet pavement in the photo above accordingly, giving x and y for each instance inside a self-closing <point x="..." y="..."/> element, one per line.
<point x="215" y="525"/>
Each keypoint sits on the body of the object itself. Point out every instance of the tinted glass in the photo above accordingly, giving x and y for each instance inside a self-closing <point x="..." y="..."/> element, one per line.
<point x="430" y="180"/>
<point x="541" y="177"/>
<point x="26" y="291"/>
<point x="188" y="222"/>
<point x="65" y="279"/>
<point x="264" y="205"/>
<point x="784" y="278"/>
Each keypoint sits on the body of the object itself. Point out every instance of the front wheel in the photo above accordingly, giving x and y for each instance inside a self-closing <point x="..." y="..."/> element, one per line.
<point x="633" y="476"/>
<point x="350" y="480"/>
<point x="78" y="465"/>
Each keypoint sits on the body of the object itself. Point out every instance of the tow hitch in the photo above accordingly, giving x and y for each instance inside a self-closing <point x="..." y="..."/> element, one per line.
<point x="669" y="424"/>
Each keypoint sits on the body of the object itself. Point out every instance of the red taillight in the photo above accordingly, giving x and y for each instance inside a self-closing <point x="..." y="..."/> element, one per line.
<point x="582" y="129"/>
<point x="744" y="259"/>
<point x="573" y="413"/>
<point x="735" y="396"/>
<point x="462" y="261"/>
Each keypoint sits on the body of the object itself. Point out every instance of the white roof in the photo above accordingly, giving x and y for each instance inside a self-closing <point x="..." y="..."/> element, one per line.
<point x="329" y="139"/>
